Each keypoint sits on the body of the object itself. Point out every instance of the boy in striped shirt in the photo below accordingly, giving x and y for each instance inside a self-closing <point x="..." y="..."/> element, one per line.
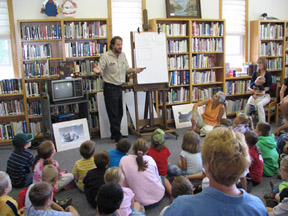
<point x="85" y="164"/>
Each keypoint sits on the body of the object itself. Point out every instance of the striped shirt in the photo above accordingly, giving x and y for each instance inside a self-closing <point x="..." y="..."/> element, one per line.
<point x="18" y="166"/>
<point x="81" y="168"/>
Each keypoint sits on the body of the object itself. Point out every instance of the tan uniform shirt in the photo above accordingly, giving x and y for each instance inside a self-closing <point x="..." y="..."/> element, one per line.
<point x="112" y="68"/>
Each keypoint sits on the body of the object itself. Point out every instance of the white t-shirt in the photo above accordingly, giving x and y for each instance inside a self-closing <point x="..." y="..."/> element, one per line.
<point x="193" y="162"/>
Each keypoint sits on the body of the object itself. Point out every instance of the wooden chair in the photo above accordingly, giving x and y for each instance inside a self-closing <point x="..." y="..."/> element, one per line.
<point x="274" y="94"/>
<point x="278" y="107"/>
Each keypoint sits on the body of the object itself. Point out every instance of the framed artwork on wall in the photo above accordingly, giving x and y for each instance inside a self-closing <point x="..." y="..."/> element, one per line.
<point x="183" y="8"/>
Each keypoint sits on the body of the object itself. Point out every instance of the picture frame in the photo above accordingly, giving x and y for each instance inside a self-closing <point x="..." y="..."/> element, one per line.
<point x="70" y="134"/>
<point x="183" y="8"/>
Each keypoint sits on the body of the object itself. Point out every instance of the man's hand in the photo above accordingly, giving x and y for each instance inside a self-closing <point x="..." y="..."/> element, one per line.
<point x="96" y="69"/>
<point x="138" y="70"/>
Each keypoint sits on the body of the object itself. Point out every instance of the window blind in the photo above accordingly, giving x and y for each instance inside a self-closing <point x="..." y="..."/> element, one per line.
<point x="126" y="17"/>
<point x="233" y="11"/>
<point x="4" y="20"/>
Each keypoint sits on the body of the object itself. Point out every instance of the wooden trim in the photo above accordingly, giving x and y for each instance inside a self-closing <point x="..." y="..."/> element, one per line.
<point x="246" y="41"/>
<point x="220" y="9"/>
<point x="109" y="22"/>
<point x="13" y="39"/>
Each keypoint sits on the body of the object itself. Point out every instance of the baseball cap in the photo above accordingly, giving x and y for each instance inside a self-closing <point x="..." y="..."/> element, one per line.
<point x="20" y="139"/>
<point x="158" y="136"/>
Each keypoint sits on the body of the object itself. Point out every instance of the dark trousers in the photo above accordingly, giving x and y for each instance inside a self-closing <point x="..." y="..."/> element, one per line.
<point x="114" y="107"/>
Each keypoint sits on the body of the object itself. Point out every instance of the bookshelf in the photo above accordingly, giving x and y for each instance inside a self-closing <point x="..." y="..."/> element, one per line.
<point x="195" y="57"/>
<point x="47" y="44"/>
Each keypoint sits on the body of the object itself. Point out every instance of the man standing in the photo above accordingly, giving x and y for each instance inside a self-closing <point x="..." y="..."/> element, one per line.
<point x="113" y="66"/>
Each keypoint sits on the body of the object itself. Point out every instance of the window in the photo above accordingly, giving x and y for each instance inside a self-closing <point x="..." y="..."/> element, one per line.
<point x="126" y="17"/>
<point x="6" y="65"/>
<point x="234" y="12"/>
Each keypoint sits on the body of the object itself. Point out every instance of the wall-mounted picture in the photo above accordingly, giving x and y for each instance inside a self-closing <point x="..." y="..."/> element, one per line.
<point x="183" y="8"/>
<point x="70" y="134"/>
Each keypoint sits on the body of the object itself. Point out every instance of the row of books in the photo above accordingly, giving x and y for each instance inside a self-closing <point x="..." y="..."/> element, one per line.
<point x="8" y="131"/>
<point x="94" y="122"/>
<point x="286" y="58"/>
<point x="287" y="44"/>
<point x="232" y="106"/>
<point x="199" y="77"/>
<point x="79" y="30"/>
<point x="93" y="103"/>
<point x="169" y="113"/>
<point x="35" y="88"/>
<point x="275" y="64"/>
<point x="178" y="78"/>
<point x="207" y="29"/>
<point x="84" y="67"/>
<point x="34" y="109"/>
<point x="207" y="45"/>
<point x="36" y="128"/>
<point x="72" y="108"/>
<point x="202" y="61"/>
<point x="178" y="62"/>
<point x="271" y="49"/>
<point x="286" y="71"/>
<point x="237" y="87"/>
<point x="268" y="31"/>
<point x="41" y="32"/>
<point x="175" y="95"/>
<point x="173" y="29"/>
<point x="36" y="51"/>
<point x="39" y="69"/>
<point x="92" y="85"/>
<point x="13" y="107"/>
<point x="10" y="86"/>
<point x="80" y="49"/>
<point x="176" y="46"/>
<point x="276" y="79"/>
<point x="204" y="93"/>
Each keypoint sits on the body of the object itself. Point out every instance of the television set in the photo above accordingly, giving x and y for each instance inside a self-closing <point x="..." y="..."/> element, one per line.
<point x="66" y="89"/>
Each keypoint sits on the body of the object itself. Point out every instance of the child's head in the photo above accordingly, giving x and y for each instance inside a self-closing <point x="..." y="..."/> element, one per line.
<point x="263" y="129"/>
<point x="87" y="149"/>
<point x="50" y="174"/>
<point x="181" y="186"/>
<point x="22" y="141"/>
<point x="40" y="195"/>
<point x="5" y="183"/>
<point x="45" y="150"/>
<point x="191" y="142"/>
<point x="284" y="168"/>
<point x="242" y="118"/>
<point x="283" y="194"/>
<point x="124" y="145"/>
<point x="260" y="80"/>
<point x="109" y="198"/>
<point x="158" y="139"/>
<point x="140" y="148"/>
<point x="224" y="122"/>
<point x="251" y="138"/>
<point x="114" y="174"/>
<point x="101" y="159"/>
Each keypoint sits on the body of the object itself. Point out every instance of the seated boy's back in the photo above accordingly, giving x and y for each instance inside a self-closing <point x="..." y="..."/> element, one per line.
<point x="122" y="148"/>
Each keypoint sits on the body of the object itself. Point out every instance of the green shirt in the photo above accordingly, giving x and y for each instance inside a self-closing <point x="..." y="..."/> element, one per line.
<point x="112" y="68"/>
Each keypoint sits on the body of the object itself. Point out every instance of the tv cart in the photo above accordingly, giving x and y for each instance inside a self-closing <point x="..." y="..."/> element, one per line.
<point x="48" y="119"/>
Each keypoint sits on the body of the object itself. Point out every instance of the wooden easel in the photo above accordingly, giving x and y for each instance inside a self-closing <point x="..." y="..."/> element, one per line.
<point x="146" y="126"/>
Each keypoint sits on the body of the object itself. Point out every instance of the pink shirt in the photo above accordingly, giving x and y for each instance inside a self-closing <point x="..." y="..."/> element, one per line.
<point x="125" y="207"/>
<point x="38" y="168"/>
<point x="146" y="185"/>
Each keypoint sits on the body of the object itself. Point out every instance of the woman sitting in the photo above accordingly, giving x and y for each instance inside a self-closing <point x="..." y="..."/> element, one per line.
<point x="212" y="115"/>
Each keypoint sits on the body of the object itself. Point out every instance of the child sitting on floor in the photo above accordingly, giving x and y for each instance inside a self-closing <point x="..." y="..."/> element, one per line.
<point x="267" y="145"/>
<point x="41" y="196"/>
<point x="46" y="151"/>
<point x="242" y="123"/>
<point x="95" y="177"/>
<point x="121" y="150"/>
<point x="20" y="162"/>
<point x="190" y="156"/>
<point x="82" y="166"/>
<point x="128" y="205"/>
<point x="8" y="206"/>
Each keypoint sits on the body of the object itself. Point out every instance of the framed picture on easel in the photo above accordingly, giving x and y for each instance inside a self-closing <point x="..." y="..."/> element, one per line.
<point x="183" y="9"/>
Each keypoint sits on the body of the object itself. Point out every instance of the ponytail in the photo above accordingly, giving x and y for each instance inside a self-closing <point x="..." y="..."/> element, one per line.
<point x="45" y="151"/>
<point x="250" y="123"/>
<point x="140" y="148"/>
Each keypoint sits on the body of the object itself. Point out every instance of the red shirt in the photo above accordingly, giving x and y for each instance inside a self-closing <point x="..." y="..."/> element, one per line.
<point x="161" y="159"/>
<point x="256" y="167"/>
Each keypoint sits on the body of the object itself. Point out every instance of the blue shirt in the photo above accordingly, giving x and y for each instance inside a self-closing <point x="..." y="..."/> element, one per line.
<point x="18" y="166"/>
<point x="31" y="211"/>
<point x="115" y="157"/>
<point x="214" y="202"/>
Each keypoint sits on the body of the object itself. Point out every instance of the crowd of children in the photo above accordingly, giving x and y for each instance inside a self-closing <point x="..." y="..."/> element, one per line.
<point x="119" y="183"/>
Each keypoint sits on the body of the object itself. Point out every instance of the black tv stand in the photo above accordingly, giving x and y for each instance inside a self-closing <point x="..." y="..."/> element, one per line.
<point x="48" y="119"/>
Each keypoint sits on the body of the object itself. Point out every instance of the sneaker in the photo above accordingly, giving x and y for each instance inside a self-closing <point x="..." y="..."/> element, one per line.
<point x="271" y="203"/>
<point x="284" y="121"/>
<point x="71" y="185"/>
<point x="65" y="202"/>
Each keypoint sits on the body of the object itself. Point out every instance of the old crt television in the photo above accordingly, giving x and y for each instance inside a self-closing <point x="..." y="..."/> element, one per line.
<point x="66" y="89"/>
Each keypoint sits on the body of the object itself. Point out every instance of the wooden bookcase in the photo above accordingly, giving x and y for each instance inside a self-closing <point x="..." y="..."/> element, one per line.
<point x="198" y="44"/>
<point x="45" y="45"/>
